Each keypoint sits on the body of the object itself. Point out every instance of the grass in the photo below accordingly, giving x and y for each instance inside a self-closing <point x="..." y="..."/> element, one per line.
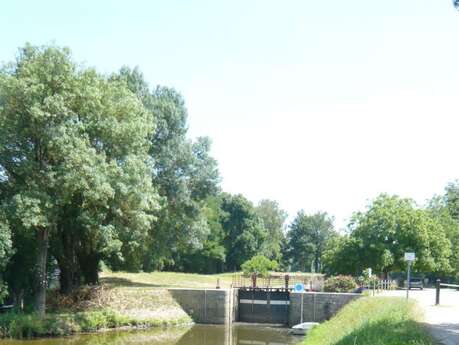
<point x="122" y="300"/>
<point x="20" y="325"/>
<point x="373" y="321"/>
<point x="162" y="280"/>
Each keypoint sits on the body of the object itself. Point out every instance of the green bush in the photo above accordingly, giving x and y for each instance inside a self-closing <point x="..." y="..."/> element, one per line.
<point x="372" y="321"/>
<point x="260" y="265"/>
<point x="340" y="284"/>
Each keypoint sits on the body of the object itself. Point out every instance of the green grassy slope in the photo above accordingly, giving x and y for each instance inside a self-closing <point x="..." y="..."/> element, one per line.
<point x="373" y="321"/>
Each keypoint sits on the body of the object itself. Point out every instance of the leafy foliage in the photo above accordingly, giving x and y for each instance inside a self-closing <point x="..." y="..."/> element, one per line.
<point x="307" y="240"/>
<point x="260" y="265"/>
<point x="340" y="283"/>
<point x="5" y="252"/>
<point x="390" y="227"/>
<point x="73" y="151"/>
<point x="273" y="218"/>
<point x="185" y="175"/>
<point x="244" y="231"/>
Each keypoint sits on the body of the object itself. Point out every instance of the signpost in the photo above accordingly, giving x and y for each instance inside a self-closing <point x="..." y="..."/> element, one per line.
<point x="409" y="258"/>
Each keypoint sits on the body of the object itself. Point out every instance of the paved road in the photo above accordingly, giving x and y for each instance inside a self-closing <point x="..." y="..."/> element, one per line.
<point x="442" y="320"/>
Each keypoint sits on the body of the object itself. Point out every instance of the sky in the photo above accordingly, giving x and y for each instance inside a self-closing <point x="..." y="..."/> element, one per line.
<point x="320" y="105"/>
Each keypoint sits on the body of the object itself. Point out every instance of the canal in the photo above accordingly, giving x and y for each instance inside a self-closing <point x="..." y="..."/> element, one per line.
<point x="196" y="335"/>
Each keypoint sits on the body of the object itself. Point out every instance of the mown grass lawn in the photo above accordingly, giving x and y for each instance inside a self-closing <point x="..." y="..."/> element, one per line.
<point x="373" y="321"/>
<point x="165" y="280"/>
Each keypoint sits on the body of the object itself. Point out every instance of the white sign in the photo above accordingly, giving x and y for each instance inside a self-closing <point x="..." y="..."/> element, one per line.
<point x="410" y="256"/>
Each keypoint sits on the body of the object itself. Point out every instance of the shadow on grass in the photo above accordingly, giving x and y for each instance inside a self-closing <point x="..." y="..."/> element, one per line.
<point x="387" y="332"/>
<point x="123" y="282"/>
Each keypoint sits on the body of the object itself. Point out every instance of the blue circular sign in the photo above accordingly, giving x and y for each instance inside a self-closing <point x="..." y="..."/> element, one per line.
<point x="299" y="287"/>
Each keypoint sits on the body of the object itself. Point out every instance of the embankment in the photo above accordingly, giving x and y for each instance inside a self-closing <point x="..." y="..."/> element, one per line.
<point x="373" y="321"/>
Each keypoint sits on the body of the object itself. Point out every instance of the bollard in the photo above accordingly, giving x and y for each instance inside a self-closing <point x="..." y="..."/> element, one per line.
<point x="437" y="295"/>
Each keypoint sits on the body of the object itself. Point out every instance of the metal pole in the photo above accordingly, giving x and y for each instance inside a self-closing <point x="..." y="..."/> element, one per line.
<point x="301" y="318"/>
<point x="437" y="295"/>
<point x="408" y="280"/>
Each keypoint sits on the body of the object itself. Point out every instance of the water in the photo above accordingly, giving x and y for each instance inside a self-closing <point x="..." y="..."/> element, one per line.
<point x="196" y="335"/>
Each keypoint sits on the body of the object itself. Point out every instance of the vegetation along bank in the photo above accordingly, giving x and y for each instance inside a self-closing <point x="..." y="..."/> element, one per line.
<point x="373" y="321"/>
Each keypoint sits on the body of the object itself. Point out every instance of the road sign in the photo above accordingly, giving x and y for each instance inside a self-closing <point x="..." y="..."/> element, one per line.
<point x="410" y="256"/>
<point x="299" y="287"/>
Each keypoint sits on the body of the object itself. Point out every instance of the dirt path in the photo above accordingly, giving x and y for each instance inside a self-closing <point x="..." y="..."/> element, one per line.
<point x="443" y="320"/>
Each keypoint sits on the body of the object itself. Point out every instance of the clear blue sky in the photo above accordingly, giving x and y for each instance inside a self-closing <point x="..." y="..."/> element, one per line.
<point x="320" y="105"/>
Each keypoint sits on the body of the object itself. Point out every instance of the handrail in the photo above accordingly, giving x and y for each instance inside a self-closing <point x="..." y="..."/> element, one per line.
<point x="450" y="285"/>
<point x="438" y="287"/>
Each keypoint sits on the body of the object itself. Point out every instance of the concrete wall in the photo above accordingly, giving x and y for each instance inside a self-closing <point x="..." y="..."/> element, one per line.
<point x="317" y="306"/>
<point x="219" y="306"/>
<point x="212" y="306"/>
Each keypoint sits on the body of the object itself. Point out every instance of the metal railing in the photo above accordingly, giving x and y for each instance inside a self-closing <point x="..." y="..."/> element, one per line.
<point x="377" y="286"/>
<point x="278" y="281"/>
<point x="438" y="286"/>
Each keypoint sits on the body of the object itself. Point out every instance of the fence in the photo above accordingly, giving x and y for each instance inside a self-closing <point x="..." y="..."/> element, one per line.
<point x="439" y="285"/>
<point x="311" y="282"/>
<point x="380" y="285"/>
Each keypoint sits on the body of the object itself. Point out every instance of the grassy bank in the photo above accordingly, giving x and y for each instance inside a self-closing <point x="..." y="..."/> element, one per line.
<point x="373" y="321"/>
<point x="122" y="300"/>
<point x="19" y="325"/>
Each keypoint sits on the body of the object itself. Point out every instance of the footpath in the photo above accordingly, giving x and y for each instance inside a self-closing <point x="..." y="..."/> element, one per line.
<point x="442" y="321"/>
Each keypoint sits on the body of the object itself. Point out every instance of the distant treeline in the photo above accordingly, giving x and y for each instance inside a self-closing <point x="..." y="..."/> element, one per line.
<point x="99" y="170"/>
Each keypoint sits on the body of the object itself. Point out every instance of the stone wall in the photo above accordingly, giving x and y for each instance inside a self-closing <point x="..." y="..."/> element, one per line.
<point x="211" y="306"/>
<point x="317" y="306"/>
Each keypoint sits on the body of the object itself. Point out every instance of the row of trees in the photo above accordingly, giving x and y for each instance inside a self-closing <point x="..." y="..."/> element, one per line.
<point x="99" y="169"/>
<point x="379" y="237"/>
<point x="93" y="168"/>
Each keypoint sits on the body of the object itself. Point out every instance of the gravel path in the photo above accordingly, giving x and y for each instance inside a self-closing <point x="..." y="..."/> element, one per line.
<point x="443" y="320"/>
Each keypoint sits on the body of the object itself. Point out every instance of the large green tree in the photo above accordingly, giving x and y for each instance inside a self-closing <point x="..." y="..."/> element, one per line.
<point x="185" y="174"/>
<point x="211" y="256"/>
<point x="5" y="252"/>
<point x="244" y="230"/>
<point x="392" y="226"/>
<point x="74" y="156"/>
<point x="307" y="240"/>
<point x="445" y="209"/>
<point x="273" y="218"/>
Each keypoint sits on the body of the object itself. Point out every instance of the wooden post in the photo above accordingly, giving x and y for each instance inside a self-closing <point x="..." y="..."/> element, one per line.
<point x="437" y="294"/>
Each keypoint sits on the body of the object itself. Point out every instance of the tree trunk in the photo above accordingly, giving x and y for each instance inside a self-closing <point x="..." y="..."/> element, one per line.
<point x="42" y="276"/>
<point x="90" y="267"/>
<point x="69" y="276"/>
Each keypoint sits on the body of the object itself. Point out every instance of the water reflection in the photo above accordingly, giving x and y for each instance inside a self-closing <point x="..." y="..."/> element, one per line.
<point x="197" y="335"/>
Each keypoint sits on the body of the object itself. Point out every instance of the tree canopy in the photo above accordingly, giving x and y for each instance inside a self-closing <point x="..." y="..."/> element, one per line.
<point x="307" y="239"/>
<point x="74" y="155"/>
<point x="390" y="227"/>
<point x="100" y="169"/>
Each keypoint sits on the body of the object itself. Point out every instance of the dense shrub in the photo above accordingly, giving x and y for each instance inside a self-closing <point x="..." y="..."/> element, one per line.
<point x="340" y="284"/>
<point x="259" y="265"/>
